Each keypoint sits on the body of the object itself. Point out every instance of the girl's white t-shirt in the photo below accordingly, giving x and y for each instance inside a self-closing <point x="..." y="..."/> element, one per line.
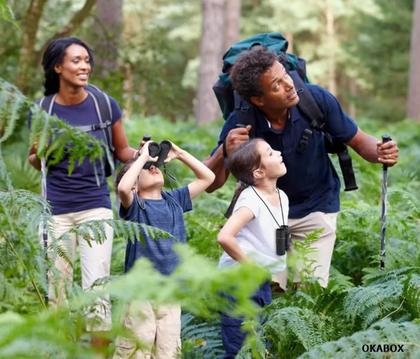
<point x="257" y="238"/>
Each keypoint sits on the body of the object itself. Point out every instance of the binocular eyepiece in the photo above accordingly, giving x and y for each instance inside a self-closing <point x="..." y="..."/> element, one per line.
<point x="160" y="150"/>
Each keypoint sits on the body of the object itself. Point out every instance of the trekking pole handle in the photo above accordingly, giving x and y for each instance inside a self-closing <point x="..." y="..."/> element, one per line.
<point x="385" y="138"/>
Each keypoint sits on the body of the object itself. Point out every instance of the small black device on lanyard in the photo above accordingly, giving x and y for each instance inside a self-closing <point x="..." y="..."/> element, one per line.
<point x="282" y="232"/>
<point x="282" y="240"/>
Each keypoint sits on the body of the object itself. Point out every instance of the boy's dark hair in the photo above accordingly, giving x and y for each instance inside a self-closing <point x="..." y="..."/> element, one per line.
<point x="54" y="55"/>
<point x="245" y="74"/>
<point x="123" y="171"/>
<point x="242" y="163"/>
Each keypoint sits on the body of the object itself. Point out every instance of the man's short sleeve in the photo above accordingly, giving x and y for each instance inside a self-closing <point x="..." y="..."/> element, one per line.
<point x="182" y="197"/>
<point x="130" y="212"/>
<point x="337" y="123"/>
<point x="116" y="111"/>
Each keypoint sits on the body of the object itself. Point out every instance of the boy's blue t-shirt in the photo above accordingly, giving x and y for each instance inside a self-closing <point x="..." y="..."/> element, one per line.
<point x="165" y="214"/>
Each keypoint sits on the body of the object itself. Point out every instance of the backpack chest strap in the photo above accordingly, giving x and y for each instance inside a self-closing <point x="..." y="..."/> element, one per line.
<point x="94" y="127"/>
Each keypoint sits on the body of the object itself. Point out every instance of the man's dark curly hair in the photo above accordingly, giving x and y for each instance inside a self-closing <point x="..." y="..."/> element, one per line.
<point x="246" y="72"/>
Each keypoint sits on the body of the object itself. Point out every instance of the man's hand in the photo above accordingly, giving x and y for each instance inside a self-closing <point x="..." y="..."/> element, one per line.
<point x="373" y="150"/>
<point x="236" y="137"/>
<point x="387" y="152"/>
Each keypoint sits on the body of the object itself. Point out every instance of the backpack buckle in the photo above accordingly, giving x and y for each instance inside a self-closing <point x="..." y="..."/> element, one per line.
<point x="304" y="140"/>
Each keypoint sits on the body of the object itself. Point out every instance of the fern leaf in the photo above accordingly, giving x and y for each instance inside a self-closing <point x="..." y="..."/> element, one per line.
<point x="385" y="332"/>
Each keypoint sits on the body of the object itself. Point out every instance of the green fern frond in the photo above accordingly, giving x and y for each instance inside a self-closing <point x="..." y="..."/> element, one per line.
<point x="5" y="180"/>
<point x="95" y="230"/>
<point x="47" y="335"/>
<point x="55" y="248"/>
<point x="299" y="262"/>
<point x="411" y="294"/>
<point x="366" y="305"/>
<point x="12" y="105"/>
<point x="54" y="139"/>
<point x="292" y="328"/>
<point x="406" y="334"/>
<point x="375" y="276"/>
<point x="200" y="339"/>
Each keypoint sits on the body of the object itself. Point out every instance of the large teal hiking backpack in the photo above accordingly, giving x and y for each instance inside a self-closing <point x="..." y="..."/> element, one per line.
<point x="230" y="101"/>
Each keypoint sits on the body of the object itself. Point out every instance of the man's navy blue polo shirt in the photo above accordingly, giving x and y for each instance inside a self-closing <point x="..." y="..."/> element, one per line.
<point x="311" y="182"/>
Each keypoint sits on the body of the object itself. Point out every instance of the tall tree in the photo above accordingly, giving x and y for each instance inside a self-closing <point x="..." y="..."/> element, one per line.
<point x="379" y="58"/>
<point x="29" y="31"/>
<point x="29" y="56"/>
<point x="212" y="41"/>
<point x="232" y="22"/>
<point x="413" y="102"/>
<point x="107" y="34"/>
<point x="331" y="46"/>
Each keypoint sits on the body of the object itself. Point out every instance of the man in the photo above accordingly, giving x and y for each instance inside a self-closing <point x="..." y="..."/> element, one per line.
<point x="311" y="182"/>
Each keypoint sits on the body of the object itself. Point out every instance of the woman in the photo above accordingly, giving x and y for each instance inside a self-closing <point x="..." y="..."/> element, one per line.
<point x="79" y="197"/>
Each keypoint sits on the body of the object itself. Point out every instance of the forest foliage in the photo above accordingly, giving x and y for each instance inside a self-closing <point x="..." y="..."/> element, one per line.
<point x="157" y="59"/>
<point x="362" y="305"/>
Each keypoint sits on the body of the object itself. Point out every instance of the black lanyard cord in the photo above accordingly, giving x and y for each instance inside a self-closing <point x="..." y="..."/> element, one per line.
<point x="281" y="206"/>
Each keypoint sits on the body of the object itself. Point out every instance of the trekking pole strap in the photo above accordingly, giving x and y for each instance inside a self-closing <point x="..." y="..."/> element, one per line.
<point x="346" y="167"/>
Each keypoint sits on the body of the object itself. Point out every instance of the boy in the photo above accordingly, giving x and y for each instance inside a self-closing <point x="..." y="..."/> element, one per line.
<point x="148" y="204"/>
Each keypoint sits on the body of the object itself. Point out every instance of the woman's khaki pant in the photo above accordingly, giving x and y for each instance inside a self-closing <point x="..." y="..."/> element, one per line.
<point x="95" y="260"/>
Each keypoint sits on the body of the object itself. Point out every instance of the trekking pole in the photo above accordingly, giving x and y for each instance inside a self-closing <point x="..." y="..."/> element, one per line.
<point x="385" y="138"/>
<point x="44" y="223"/>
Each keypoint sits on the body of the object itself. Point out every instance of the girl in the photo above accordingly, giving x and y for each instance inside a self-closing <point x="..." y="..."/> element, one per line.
<point x="258" y="214"/>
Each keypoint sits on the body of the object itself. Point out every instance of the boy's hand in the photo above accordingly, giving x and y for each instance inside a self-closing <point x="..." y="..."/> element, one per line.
<point x="174" y="153"/>
<point x="144" y="153"/>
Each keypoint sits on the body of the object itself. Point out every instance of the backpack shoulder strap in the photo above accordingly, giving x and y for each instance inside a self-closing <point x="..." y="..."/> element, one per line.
<point x="307" y="104"/>
<point x="246" y="114"/>
<point x="104" y="111"/>
<point x="46" y="103"/>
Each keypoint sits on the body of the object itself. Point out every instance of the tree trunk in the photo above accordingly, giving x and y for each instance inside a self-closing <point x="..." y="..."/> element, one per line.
<point x="289" y="38"/>
<point x="74" y="23"/>
<point x="232" y="22"/>
<point x="331" y="47"/>
<point x="353" y="95"/>
<point x="29" y="57"/>
<point x="29" y="31"/>
<point x="207" y="108"/>
<point x="107" y="35"/>
<point x="413" y="102"/>
<point x="128" y="90"/>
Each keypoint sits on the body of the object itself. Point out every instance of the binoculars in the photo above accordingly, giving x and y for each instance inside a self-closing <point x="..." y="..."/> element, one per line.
<point x="160" y="150"/>
<point x="282" y="240"/>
